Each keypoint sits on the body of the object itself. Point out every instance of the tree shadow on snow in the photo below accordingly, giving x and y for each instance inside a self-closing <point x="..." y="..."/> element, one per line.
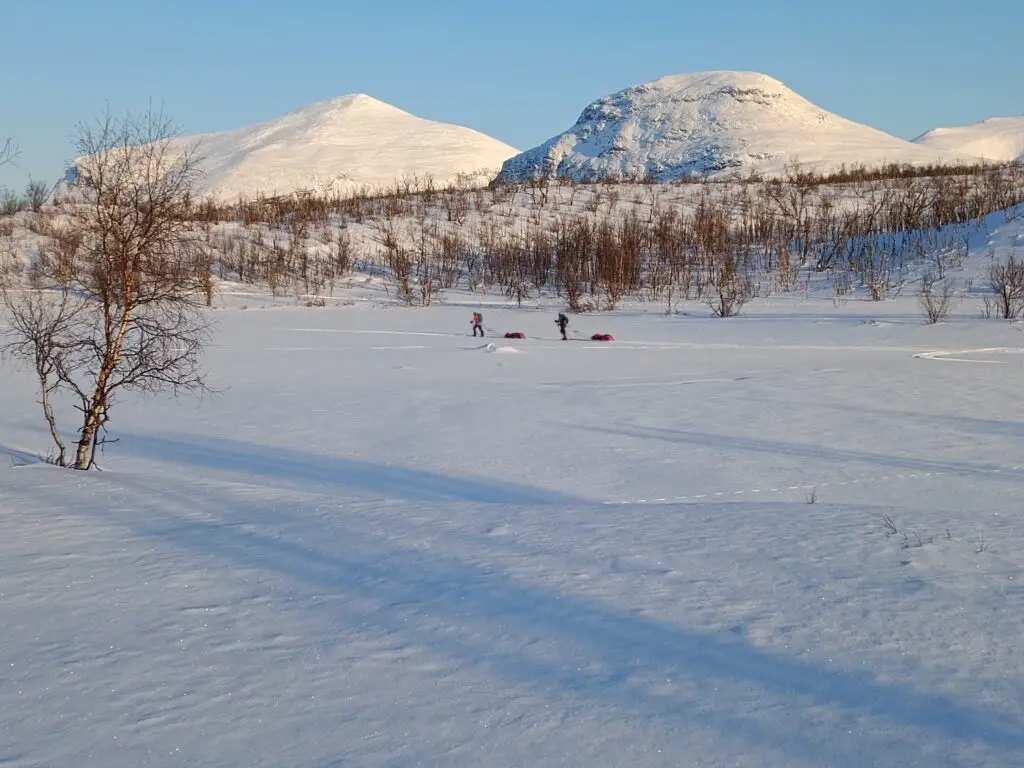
<point x="943" y="421"/>
<point x="576" y="647"/>
<point x="17" y="458"/>
<point x="795" y="450"/>
<point x="290" y="468"/>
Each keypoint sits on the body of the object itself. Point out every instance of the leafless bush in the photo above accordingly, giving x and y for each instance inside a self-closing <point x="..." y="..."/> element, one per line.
<point x="574" y="241"/>
<point x="935" y="300"/>
<point x="979" y="543"/>
<point x="888" y="524"/>
<point x="8" y="261"/>
<point x="914" y="540"/>
<point x="36" y="193"/>
<point x="730" y="288"/>
<point x="1006" y="281"/>
<point x="11" y="203"/>
<point x="988" y="307"/>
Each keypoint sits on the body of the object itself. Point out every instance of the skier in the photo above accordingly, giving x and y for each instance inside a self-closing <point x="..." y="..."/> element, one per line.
<point x="478" y="324"/>
<point x="562" y="322"/>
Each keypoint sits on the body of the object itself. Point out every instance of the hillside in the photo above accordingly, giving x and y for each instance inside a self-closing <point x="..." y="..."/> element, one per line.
<point x="997" y="140"/>
<point x="711" y="124"/>
<point x="342" y="144"/>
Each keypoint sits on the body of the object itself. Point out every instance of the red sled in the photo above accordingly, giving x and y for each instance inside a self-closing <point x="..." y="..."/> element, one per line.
<point x="602" y="337"/>
<point x="515" y="335"/>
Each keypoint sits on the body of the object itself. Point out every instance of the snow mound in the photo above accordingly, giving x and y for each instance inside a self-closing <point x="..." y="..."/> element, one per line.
<point x="711" y="124"/>
<point x="338" y="145"/>
<point x="998" y="139"/>
<point x="493" y="349"/>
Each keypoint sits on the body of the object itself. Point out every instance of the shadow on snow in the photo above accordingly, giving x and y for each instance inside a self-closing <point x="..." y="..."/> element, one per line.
<point x="577" y="647"/>
<point x="290" y="468"/>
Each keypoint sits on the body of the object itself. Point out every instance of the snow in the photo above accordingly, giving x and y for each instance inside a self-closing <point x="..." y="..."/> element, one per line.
<point x="378" y="545"/>
<point x="713" y="124"/>
<point x="997" y="140"/>
<point x="341" y="145"/>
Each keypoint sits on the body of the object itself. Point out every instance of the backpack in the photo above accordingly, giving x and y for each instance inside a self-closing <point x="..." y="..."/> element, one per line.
<point x="478" y="319"/>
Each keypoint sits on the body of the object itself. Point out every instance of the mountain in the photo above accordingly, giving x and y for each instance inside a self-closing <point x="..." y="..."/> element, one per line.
<point x="998" y="140"/>
<point x="711" y="124"/>
<point x="341" y="144"/>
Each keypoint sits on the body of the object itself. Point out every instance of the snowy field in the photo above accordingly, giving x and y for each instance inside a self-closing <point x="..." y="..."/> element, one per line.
<point x="381" y="544"/>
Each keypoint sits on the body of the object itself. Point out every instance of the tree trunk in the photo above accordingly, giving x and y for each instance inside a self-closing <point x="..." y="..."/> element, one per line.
<point x="95" y="410"/>
<point x="54" y="433"/>
<point x="84" y="450"/>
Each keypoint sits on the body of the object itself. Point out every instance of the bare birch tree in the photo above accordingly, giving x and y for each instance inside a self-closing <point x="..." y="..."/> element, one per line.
<point x="122" y="312"/>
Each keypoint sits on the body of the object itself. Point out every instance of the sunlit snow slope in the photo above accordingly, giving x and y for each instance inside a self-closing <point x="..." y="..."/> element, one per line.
<point x="342" y="143"/>
<point x="998" y="140"/>
<point x="709" y="124"/>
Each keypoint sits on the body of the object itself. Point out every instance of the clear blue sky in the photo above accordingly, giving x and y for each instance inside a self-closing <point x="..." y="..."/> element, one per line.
<point x="520" y="70"/>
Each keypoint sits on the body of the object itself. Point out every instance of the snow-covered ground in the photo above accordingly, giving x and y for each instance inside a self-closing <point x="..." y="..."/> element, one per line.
<point x="383" y="544"/>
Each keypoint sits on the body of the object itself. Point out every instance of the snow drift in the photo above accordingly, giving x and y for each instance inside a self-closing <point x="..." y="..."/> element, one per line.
<point x="338" y="145"/>
<point x="997" y="140"/>
<point x="709" y="124"/>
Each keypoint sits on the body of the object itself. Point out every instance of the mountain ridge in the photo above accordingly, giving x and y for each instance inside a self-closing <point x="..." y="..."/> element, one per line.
<point x="337" y="145"/>
<point x="995" y="139"/>
<point x="711" y="124"/>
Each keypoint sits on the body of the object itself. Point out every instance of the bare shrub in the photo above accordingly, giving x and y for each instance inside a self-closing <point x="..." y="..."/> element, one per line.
<point x="988" y="307"/>
<point x="1006" y="281"/>
<point x="935" y="299"/>
<point x="888" y="524"/>
<point x="979" y="543"/>
<point x="36" y="193"/>
<point x="11" y="203"/>
<point x="730" y="289"/>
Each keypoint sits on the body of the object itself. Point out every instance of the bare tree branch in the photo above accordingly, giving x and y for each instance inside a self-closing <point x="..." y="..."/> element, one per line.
<point x="8" y="151"/>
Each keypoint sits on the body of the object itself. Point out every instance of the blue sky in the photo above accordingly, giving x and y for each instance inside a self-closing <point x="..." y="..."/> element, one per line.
<point x="520" y="70"/>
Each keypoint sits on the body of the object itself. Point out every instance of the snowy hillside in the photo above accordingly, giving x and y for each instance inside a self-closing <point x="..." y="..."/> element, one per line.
<point x="341" y="144"/>
<point x="998" y="140"/>
<point x="713" y="123"/>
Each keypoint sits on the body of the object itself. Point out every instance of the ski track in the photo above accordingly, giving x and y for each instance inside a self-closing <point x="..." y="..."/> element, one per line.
<point x="917" y="352"/>
<point x="947" y="356"/>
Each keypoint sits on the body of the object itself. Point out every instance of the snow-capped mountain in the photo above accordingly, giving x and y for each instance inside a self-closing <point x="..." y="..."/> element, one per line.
<point x="998" y="139"/>
<point x="711" y="124"/>
<point x="340" y="144"/>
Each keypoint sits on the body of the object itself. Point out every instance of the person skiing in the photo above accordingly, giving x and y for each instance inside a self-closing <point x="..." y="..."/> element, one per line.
<point x="478" y="324"/>
<point x="562" y="322"/>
